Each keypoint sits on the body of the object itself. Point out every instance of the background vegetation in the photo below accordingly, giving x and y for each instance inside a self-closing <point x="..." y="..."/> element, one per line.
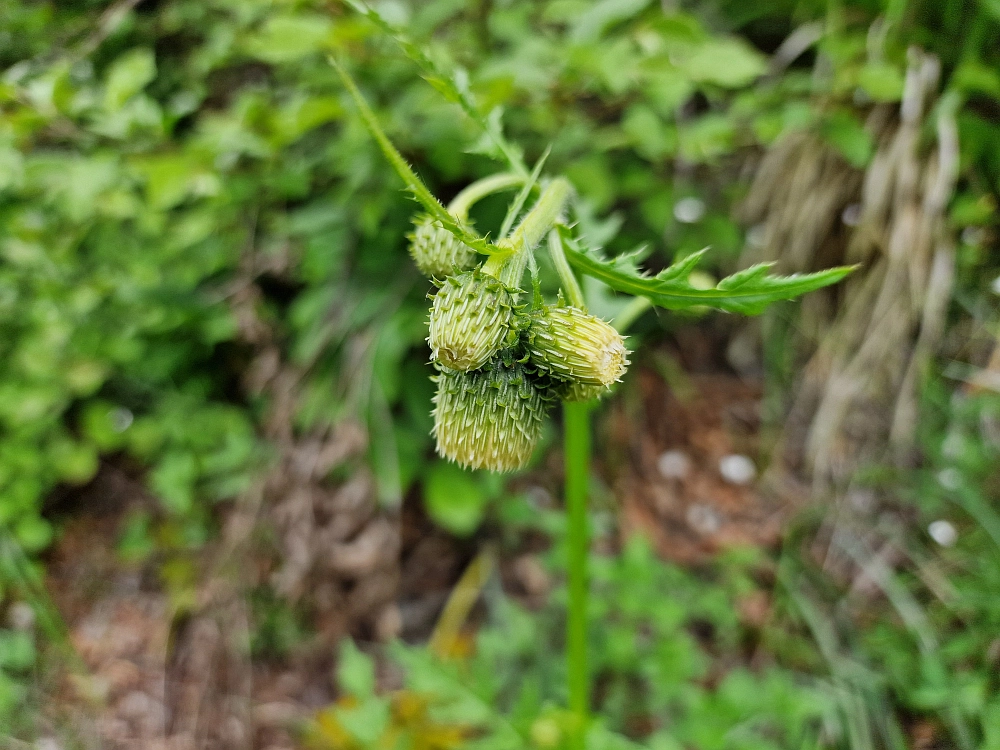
<point x="205" y="295"/>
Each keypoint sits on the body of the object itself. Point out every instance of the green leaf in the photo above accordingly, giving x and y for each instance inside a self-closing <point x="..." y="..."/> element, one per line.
<point x="843" y="131"/>
<point x="287" y="38"/>
<point x="17" y="650"/>
<point x="882" y="82"/>
<point x="748" y="292"/>
<point x="355" y="671"/>
<point x="454" y="499"/>
<point x="127" y="76"/>
<point x="730" y="63"/>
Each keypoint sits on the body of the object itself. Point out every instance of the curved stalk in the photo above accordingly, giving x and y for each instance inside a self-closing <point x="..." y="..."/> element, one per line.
<point x="569" y="283"/>
<point x="461" y="203"/>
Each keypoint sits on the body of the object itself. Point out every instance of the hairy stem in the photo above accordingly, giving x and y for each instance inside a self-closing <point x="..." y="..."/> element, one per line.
<point x="569" y="283"/>
<point x="509" y="262"/>
<point x="576" y="432"/>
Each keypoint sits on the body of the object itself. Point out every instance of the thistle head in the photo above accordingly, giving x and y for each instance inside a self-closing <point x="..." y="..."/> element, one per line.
<point x="488" y="419"/>
<point x="576" y="346"/>
<point x="472" y="317"/>
<point x="436" y="251"/>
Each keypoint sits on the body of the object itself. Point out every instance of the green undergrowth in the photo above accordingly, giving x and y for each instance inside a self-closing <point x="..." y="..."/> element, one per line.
<point x="159" y="160"/>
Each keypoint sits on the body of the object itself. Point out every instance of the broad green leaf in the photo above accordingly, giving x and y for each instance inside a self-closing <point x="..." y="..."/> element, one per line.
<point x="127" y="76"/>
<point x="882" y="82"/>
<point x="355" y="671"/>
<point x="843" y="131"/>
<point x="589" y="26"/>
<point x="287" y="38"/>
<point x="748" y="292"/>
<point x="730" y="63"/>
<point x="454" y="498"/>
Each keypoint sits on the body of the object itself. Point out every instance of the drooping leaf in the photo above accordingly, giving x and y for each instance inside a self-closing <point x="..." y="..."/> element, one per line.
<point x="747" y="292"/>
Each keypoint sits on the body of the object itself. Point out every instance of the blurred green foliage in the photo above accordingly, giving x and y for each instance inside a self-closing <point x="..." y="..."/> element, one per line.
<point x="156" y="159"/>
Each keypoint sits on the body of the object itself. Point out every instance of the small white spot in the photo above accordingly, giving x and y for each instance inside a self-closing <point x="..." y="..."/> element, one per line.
<point x="737" y="469"/>
<point x="950" y="478"/>
<point x="121" y="419"/>
<point x="972" y="236"/>
<point x="943" y="533"/>
<point x="21" y="616"/>
<point x="704" y="519"/>
<point x="673" y="464"/>
<point x="953" y="445"/>
<point x="851" y="215"/>
<point x="995" y="286"/>
<point x="757" y="235"/>
<point x="863" y="501"/>
<point x="689" y="210"/>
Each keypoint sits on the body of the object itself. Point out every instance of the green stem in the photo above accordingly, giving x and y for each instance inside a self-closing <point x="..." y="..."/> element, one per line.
<point x="460" y="204"/>
<point x="631" y="313"/>
<point x="511" y="258"/>
<point x="576" y="427"/>
<point x="569" y="283"/>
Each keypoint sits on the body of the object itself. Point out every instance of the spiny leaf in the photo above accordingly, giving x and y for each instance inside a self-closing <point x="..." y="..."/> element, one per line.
<point x="522" y="196"/>
<point x="413" y="183"/>
<point x="747" y="292"/>
<point x="454" y="88"/>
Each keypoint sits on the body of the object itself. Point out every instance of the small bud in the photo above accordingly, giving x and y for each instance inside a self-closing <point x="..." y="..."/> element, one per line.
<point x="473" y="315"/>
<point x="436" y="251"/>
<point x="574" y="345"/>
<point x="488" y="419"/>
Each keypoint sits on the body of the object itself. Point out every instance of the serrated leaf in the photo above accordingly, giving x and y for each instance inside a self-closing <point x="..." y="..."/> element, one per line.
<point x="747" y="292"/>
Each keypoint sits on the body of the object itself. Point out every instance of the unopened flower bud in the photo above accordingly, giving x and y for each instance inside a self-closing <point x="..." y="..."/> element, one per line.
<point x="436" y="251"/>
<point x="488" y="419"/>
<point x="574" y="345"/>
<point x="472" y="317"/>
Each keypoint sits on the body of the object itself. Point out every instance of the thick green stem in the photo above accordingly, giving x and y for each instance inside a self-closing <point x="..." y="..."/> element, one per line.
<point x="461" y="203"/>
<point x="509" y="262"/>
<point x="576" y="431"/>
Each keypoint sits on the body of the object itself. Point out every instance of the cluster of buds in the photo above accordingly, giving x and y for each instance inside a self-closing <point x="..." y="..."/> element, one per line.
<point x="500" y="366"/>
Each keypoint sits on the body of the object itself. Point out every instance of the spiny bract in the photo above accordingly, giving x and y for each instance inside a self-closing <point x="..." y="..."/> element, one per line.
<point x="472" y="317"/>
<point x="489" y="419"/>
<point x="436" y="251"/>
<point x="574" y="345"/>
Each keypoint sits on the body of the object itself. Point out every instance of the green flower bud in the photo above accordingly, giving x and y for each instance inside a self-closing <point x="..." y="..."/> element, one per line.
<point x="573" y="345"/>
<point x="488" y="419"/>
<point x="436" y="251"/>
<point x="473" y="316"/>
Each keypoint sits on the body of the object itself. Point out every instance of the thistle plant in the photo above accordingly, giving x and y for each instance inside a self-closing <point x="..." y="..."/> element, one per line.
<point x="505" y="356"/>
